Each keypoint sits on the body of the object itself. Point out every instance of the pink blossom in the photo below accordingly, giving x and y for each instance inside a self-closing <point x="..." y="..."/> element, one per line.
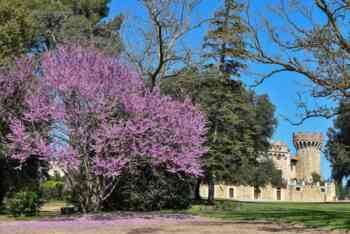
<point x="90" y="112"/>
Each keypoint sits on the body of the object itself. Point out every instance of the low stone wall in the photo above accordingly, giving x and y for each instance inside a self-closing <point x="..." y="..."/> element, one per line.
<point x="306" y="193"/>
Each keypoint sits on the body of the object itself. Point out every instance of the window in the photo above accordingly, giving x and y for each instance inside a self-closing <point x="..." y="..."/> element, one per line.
<point x="278" y="194"/>
<point x="298" y="188"/>
<point x="231" y="193"/>
<point x="323" y="190"/>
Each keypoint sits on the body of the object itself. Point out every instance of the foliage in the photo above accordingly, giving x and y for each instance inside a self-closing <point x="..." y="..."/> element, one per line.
<point x="38" y="25"/>
<point x="13" y="89"/>
<point x="240" y="124"/>
<point x="224" y="41"/>
<point x="263" y="172"/>
<point x="18" y="31"/>
<point x="277" y="180"/>
<point x="53" y="190"/>
<point x="24" y="203"/>
<point x="337" y="147"/>
<point x="342" y="191"/>
<point x="14" y="180"/>
<point x="33" y="26"/>
<point x="77" y="21"/>
<point x="316" y="178"/>
<point x="147" y="189"/>
<point x="100" y="118"/>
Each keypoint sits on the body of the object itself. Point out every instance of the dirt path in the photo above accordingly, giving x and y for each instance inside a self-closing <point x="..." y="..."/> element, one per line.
<point x="149" y="224"/>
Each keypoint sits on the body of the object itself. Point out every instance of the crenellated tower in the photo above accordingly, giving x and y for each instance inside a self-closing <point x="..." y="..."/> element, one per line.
<point x="308" y="146"/>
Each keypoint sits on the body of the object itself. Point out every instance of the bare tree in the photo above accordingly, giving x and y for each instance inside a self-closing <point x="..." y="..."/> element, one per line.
<point x="162" y="53"/>
<point x="313" y="42"/>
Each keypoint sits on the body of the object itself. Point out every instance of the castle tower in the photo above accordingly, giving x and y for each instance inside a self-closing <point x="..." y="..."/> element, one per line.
<point x="281" y="156"/>
<point x="308" y="147"/>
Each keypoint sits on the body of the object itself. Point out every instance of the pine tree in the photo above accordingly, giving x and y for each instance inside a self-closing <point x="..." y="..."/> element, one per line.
<point x="338" y="145"/>
<point x="18" y="32"/>
<point x="224" y="42"/>
<point x="37" y="25"/>
<point x="238" y="130"/>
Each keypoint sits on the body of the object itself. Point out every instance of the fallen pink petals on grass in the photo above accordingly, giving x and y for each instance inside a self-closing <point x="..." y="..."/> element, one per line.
<point x="91" y="222"/>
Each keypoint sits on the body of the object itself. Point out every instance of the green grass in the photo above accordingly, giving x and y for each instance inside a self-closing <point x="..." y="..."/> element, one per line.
<point x="313" y="215"/>
<point x="50" y="209"/>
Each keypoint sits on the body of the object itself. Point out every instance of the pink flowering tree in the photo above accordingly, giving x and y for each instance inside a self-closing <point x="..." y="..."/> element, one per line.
<point x="93" y="118"/>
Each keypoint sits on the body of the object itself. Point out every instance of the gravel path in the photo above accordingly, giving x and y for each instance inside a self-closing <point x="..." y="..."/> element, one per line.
<point x="148" y="224"/>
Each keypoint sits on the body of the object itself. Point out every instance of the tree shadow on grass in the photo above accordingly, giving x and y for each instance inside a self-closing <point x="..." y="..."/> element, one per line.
<point x="308" y="217"/>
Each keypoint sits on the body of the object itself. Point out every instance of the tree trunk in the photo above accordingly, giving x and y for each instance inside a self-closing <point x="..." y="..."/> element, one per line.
<point x="197" y="195"/>
<point x="211" y="189"/>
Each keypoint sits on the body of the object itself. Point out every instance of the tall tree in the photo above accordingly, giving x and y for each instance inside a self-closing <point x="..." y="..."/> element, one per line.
<point x="34" y="26"/>
<point x="78" y="21"/>
<point x="311" y="39"/>
<point x="38" y="25"/>
<point x="160" y="52"/>
<point x="338" y="145"/>
<point x="224" y="41"/>
<point x="98" y="119"/>
<point x="238" y="131"/>
<point x="18" y="30"/>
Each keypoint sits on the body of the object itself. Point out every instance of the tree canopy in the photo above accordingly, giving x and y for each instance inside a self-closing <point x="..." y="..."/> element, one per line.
<point x="338" y="145"/>
<point x="35" y="26"/>
<point x="96" y="118"/>
<point x="224" y="42"/>
<point x="240" y="124"/>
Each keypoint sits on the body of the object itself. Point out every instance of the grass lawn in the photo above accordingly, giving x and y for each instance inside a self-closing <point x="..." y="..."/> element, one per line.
<point x="49" y="209"/>
<point x="317" y="215"/>
<point x="311" y="215"/>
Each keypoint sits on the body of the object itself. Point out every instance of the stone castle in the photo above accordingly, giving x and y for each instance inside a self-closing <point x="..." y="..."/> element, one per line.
<point x="297" y="173"/>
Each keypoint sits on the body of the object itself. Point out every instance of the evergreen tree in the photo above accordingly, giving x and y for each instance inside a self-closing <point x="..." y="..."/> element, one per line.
<point x="224" y="41"/>
<point x="18" y="31"/>
<point x="78" y="21"/>
<point x="240" y="125"/>
<point x="38" y="25"/>
<point x="338" y="145"/>
<point x="240" y="122"/>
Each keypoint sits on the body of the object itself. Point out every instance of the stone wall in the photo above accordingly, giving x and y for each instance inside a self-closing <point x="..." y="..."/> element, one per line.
<point x="306" y="193"/>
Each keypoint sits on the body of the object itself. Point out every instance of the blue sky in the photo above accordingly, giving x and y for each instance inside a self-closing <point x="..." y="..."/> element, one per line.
<point x="282" y="88"/>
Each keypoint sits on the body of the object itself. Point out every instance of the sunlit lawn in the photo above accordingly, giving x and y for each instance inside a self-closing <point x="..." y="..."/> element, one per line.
<point x="320" y="215"/>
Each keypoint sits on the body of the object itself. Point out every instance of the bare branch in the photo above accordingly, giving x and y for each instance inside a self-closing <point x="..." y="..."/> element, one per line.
<point x="168" y="24"/>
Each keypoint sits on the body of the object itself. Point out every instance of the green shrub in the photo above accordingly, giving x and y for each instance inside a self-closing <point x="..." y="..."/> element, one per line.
<point x="316" y="178"/>
<point x="147" y="189"/>
<point x="24" y="203"/>
<point x="53" y="190"/>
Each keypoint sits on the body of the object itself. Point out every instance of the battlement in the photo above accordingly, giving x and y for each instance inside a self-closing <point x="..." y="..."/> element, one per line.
<point x="279" y="146"/>
<point x="303" y="140"/>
